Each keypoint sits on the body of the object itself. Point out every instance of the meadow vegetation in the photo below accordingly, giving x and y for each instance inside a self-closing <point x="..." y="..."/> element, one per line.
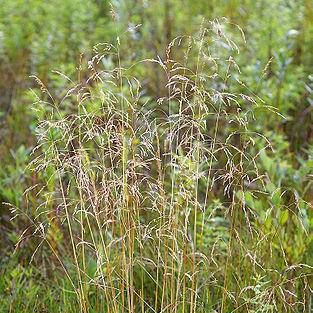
<point x="156" y="156"/>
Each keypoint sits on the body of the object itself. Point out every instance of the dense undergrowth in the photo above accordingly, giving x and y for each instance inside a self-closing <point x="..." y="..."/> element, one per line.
<point x="157" y="172"/>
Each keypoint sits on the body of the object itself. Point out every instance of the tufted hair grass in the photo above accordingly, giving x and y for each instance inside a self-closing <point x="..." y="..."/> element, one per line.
<point x="145" y="203"/>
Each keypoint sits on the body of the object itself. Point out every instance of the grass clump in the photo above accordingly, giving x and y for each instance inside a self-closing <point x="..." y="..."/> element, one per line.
<point x="164" y="204"/>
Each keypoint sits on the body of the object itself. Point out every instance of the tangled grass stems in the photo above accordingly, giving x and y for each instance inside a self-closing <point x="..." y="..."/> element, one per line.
<point x="150" y="211"/>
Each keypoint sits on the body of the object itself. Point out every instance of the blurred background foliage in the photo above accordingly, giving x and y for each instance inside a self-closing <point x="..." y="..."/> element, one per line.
<point x="39" y="37"/>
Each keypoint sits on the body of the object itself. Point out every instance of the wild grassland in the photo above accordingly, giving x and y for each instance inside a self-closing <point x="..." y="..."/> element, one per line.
<point x="175" y="182"/>
<point x="160" y="205"/>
